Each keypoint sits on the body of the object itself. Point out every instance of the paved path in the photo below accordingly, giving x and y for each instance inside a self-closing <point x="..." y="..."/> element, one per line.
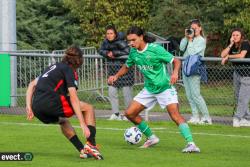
<point x="163" y="116"/>
<point x="105" y="114"/>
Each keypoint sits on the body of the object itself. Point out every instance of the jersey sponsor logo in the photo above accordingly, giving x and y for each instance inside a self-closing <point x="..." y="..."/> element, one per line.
<point x="145" y="67"/>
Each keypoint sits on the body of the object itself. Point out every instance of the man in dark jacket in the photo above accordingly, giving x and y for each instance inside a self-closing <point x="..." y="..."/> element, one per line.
<point x="114" y="46"/>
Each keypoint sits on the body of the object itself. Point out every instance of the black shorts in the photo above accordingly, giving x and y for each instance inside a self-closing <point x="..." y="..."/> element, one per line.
<point x="49" y="109"/>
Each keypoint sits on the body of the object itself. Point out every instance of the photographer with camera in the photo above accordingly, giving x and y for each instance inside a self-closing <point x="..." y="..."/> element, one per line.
<point x="194" y="44"/>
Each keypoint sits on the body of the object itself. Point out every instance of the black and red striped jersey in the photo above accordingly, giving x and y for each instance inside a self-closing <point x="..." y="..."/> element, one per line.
<point x="57" y="78"/>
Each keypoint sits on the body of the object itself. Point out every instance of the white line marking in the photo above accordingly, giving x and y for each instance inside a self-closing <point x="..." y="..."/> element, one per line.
<point x="160" y="129"/>
<point x="143" y="115"/>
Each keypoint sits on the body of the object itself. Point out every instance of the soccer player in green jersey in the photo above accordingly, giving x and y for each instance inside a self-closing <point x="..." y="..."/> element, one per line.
<point x="151" y="59"/>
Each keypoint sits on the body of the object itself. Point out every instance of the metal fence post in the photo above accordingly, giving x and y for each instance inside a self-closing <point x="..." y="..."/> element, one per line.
<point x="8" y="39"/>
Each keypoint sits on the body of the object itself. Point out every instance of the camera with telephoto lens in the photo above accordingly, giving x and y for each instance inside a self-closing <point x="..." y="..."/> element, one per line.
<point x="190" y="31"/>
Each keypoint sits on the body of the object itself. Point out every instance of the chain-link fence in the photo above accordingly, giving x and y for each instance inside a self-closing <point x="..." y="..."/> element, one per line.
<point x="218" y="92"/>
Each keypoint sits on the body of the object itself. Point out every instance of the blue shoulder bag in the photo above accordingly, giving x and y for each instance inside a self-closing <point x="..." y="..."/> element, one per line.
<point x="193" y="66"/>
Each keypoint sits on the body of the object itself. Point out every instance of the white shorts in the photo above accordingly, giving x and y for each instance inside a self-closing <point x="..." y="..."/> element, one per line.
<point x="165" y="98"/>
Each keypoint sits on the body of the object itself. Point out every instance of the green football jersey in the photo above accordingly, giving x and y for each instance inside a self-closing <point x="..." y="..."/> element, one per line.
<point x="151" y="62"/>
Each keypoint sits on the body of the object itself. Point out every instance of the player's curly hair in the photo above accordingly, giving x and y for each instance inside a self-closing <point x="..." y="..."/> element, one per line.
<point x="139" y="31"/>
<point x="73" y="57"/>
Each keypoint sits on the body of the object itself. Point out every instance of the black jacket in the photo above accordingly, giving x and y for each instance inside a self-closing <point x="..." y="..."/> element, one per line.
<point x="119" y="47"/>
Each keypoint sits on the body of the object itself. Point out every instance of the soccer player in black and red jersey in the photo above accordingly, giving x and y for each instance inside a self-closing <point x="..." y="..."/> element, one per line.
<point x="52" y="98"/>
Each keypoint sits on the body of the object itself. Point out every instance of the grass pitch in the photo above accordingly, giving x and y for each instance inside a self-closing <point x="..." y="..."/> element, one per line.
<point x="220" y="145"/>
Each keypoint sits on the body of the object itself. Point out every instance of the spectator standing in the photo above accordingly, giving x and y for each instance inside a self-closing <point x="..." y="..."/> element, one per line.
<point x="194" y="44"/>
<point x="114" y="46"/>
<point x="239" y="48"/>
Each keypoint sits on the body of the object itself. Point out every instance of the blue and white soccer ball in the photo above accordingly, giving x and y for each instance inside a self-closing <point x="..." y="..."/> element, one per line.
<point x="132" y="135"/>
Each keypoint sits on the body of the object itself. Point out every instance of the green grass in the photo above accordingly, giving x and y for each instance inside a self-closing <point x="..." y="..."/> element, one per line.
<point x="220" y="145"/>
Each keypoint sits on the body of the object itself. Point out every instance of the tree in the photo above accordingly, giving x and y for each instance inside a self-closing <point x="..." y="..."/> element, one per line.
<point x="172" y="17"/>
<point x="46" y="25"/>
<point x="95" y="15"/>
<point x="236" y="14"/>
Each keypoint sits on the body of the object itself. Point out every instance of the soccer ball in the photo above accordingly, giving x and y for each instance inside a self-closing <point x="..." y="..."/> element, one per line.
<point x="132" y="135"/>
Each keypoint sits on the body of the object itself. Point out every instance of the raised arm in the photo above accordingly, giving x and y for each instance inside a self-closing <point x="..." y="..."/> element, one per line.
<point x="225" y="52"/>
<point x="183" y="43"/>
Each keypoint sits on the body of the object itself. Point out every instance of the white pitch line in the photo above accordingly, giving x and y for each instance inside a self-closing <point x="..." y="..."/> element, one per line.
<point x="143" y="115"/>
<point x="121" y="129"/>
<point x="34" y="124"/>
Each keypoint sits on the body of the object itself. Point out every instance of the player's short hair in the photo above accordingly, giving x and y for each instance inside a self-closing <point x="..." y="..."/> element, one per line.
<point x="73" y="57"/>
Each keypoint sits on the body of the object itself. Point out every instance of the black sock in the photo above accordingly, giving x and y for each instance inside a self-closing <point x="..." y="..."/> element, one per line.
<point x="76" y="142"/>
<point x="117" y="114"/>
<point x="91" y="138"/>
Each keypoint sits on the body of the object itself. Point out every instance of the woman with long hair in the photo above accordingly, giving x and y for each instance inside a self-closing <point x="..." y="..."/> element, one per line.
<point x="238" y="47"/>
<point x="114" y="46"/>
<point x="194" y="43"/>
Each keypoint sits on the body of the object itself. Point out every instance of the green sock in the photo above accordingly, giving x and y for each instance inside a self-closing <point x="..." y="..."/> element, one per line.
<point x="143" y="126"/>
<point x="185" y="132"/>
